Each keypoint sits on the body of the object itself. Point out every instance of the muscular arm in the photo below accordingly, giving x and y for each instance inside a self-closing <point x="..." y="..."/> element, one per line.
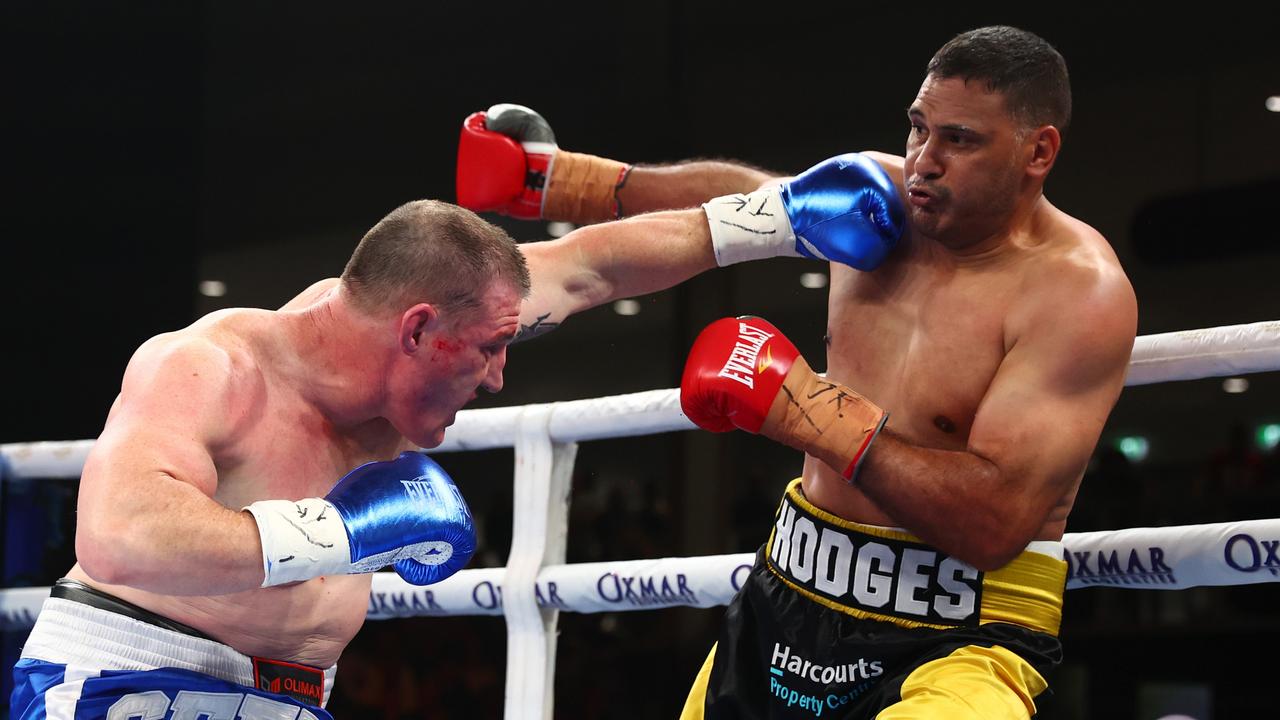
<point x="147" y="517"/>
<point x="648" y="252"/>
<point x="600" y="263"/>
<point x="690" y="183"/>
<point x="1031" y="438"/>
<point x="841" y="208"/>
<point x="687" y="184"/>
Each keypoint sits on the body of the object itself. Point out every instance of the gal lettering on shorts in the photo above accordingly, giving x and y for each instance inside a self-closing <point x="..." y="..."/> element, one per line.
<point x="193" y="705"/>
<point x="878" y="575"/>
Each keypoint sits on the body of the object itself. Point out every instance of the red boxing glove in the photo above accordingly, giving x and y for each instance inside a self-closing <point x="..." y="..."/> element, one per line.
<point x="733" y="373"/>
<point x="504" y="161"/>
<point x="744" y="373"/>
<point x="508" y="162"/>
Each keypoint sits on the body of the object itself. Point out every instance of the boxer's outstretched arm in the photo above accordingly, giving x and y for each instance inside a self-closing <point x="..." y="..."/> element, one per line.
<point x="843" y="209"/>
<point x="686" y="184"/>
<point x="146" y="515"/>
<point x="600" y="263"/>
<point x="648" y="188"/>
<point x="509" y="162"/>
<point x="1033" y="434"/>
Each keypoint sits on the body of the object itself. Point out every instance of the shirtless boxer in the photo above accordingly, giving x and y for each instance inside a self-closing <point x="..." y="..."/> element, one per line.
<point x="220" y="571"/>
<point x="915" y="569"/>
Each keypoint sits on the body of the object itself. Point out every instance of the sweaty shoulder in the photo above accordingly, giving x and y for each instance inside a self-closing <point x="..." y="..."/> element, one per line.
<point x="1076" y="288"/>
<point x="206" y="373"/>
<point x="313" y="293"/>
<point x="1083" y="255"/>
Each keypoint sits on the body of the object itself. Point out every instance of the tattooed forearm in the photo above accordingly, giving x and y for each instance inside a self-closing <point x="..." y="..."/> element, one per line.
<point x="536" y="328"/>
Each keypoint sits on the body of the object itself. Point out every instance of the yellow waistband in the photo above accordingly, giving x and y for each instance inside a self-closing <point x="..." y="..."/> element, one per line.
<point x="888" y="574"/>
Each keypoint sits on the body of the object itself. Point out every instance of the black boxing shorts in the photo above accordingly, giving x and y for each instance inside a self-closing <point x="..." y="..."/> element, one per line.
<point x="843" y="620"/>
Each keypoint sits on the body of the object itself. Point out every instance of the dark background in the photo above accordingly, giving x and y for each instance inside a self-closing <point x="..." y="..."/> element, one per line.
<point x="149" y="146"/>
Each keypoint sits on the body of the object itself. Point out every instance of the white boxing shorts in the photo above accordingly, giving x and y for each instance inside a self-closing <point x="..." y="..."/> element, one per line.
<point x="82" y="662"/>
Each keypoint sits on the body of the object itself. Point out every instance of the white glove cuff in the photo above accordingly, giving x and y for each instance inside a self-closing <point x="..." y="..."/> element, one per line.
<point x="301" y="539"/>
<point x="749" y="227"/>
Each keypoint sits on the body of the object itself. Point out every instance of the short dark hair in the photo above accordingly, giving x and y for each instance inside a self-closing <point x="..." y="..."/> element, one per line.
<point x="431" y="251"/>
<point x="1021" y="65"/>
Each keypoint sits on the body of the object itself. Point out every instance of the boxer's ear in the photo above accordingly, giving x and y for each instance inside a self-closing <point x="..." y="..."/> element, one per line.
<point x="1041" y="146"/>
<point x="415" y="323"/>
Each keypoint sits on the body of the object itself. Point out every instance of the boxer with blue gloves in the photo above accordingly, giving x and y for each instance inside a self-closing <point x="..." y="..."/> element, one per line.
<point x="258" y="466"/>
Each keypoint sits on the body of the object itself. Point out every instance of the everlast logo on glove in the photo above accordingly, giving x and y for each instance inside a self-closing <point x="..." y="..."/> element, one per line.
<point x="744" y="373"/>
<point x="300" y="682"/>
<point x="742" y="358"/>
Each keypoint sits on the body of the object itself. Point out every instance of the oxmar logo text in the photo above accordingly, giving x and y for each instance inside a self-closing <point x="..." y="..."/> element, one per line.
<point x="1113" y="568"/>
<point x="1246" y="553"/>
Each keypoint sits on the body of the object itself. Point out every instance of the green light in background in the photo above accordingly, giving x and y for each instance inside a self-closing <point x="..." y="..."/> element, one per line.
<point x="1268" y="436"/>
<point x="1134" y="447"/>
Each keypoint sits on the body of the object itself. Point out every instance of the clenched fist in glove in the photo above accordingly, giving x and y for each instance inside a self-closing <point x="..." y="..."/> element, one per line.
<point x="744" y="373"/>
<point x="508" y="162"/>
<point x="405" y="512"/>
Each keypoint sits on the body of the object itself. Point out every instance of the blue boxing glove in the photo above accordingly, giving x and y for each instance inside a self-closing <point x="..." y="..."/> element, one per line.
<point x="405" y="511"/>
<point x="845" y="209"/>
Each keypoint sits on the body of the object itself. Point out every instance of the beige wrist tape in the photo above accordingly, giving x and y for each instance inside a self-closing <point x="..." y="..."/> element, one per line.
<point x="826" y="420"/>
<point x="583" y="189"/>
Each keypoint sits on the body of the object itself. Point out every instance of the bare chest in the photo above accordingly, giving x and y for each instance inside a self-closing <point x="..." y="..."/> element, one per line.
<point x="925" y="348"/>
<point x="291" y="451"/>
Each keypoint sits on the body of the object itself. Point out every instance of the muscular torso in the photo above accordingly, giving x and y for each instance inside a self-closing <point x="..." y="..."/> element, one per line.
<point x="923" y="337"/>
<point x="287" y="450"/>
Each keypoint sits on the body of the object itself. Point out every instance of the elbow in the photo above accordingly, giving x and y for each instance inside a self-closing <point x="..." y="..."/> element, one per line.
<point x="1001" y="522"/>
<point x="95" y="563"/>
<point x="586" y="289"/>
<point x="993" y="558"/>
<point x="101" y="556"/>
<point x="996" y="546"/>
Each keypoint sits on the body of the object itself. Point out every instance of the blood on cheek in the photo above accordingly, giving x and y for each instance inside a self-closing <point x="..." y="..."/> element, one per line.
<point x="444" y="351"/>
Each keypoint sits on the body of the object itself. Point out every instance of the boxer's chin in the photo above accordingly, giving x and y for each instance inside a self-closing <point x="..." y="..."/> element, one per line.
<point x="431" y="439"/>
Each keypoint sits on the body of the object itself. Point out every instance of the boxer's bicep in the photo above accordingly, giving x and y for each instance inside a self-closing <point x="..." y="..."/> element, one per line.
<point x="1050" y="398"/>
<point x="174" y="408"/>
<point x="147" y="510"/>
<point x="601" y="263"/>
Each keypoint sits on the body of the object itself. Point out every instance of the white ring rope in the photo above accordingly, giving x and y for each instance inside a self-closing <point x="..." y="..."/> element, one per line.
<point x="1211" y="352"/>
<point x="1148" y="558"/>
<point x="1182" y="355"/>
<point x="1162" y="558"/>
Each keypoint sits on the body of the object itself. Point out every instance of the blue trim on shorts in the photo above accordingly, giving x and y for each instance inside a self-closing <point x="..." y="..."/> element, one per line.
<point x="33" y="679"/>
